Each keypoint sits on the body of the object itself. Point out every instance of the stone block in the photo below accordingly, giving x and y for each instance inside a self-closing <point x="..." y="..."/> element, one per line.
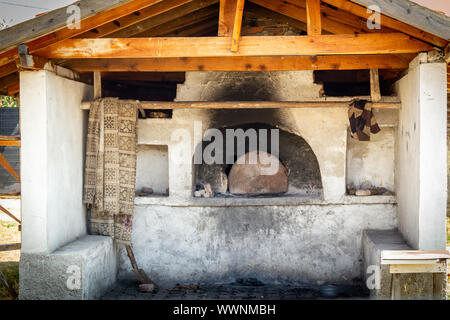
<point x="81" y="270"/>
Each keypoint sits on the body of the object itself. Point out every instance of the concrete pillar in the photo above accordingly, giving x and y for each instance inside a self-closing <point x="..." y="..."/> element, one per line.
<point x="421" y="166"/>
<point x="52" y="160"/>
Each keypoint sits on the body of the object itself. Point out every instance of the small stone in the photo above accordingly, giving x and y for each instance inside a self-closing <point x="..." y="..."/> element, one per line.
<point x="199" y="193"/>
<point x="362" y="192"/>
<point x="147" y="287"/>
<point x="208" y="191"/>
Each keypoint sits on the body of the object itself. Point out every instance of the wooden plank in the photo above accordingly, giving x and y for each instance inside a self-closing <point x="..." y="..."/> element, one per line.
<point x="132" y="19"/>
<point x="237" y="25"/>
<point x="414" y="254"/>
<point x="5" y="164"/>
<point x="9" y="246"/>
<point x="418" y="268"/>
<point x="409" y="261"/>
<point x="97" y="84"/>
<point x="314" y="21"/>
<point x="249" y="46"/>
<point x="252" y="105"/>
<point x="9" y="214"/>
<point x="268" y="63"/>
<point x="162" y="18"/>
<point x="414" y="15"/>
<point x="375" y="93"/>
<point x="388" y="22"/>
<point x="6" y="143"/>
<point x="10" y="138"/>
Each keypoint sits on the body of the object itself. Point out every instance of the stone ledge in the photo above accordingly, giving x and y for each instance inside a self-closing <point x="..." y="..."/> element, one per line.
<point x="262" y="201"/>
<point x="45" y="276"/>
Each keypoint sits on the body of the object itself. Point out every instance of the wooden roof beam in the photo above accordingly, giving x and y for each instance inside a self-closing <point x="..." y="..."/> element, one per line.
<point x="389" y="43"/>
<point x="181" y="22"/>
<point x="314" y="21"/>
<point x="268" y="63"/>
<point x="162" y="18"/>
<point x="333" y="21"/>
<point x="133" y="18"/>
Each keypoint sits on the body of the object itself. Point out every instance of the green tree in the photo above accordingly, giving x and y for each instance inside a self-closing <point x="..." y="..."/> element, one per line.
<point x="6" y="101"/>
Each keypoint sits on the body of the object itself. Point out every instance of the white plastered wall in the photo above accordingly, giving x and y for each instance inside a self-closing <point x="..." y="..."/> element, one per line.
<point x="421" y="155"/>
<point x="52" y="160"/>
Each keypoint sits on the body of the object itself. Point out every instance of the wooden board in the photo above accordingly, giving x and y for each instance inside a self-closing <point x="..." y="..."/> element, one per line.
<point x="440" y="267"/>
<point x="269" y="63"/>
<point x="10" y="246"/>
<point x="414" y="15"/>
<point x="387" y="22"/>
<point x="251" y="105"/>
<point x="249" y="46"/>
<point x="414" y="254"/>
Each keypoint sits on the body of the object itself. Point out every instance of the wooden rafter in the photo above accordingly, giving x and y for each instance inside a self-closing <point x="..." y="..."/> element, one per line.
<point x="206" y="27"/>
<point x="268" y="63"/>
<point x="333" y="21"/>
<point x="278" y="17"/>
<point x="387" y="22"/>
<point x="249" y="46"/>
<point x="181" y="22"/>
<point x="237" y="25"/>
<point x="162" y="18"/>
<point x="132" y="19"/>
<point x="314" y="21"/>
<point x="58" y="19"/>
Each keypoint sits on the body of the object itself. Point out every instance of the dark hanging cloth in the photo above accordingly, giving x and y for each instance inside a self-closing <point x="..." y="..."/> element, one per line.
<point x="362" y="120"/>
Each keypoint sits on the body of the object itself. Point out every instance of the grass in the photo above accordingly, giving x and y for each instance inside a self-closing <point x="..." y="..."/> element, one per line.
<point x="9" y="260"/>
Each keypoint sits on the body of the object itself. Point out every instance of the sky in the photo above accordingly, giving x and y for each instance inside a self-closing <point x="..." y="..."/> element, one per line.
<point x="16" y="11"/>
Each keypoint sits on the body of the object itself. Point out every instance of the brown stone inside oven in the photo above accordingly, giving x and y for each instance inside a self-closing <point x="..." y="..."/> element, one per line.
<point x="250" y="177"/>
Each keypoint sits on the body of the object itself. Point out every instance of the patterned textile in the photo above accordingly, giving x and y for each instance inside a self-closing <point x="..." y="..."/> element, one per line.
<point x="362" y="120"/>
<point x="110" y="170"/>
